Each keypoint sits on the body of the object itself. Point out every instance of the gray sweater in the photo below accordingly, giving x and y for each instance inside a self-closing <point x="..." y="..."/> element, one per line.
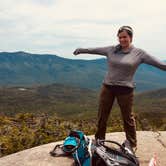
<point x="122" y="65"/>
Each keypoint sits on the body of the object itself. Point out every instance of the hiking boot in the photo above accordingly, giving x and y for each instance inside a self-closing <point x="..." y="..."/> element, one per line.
<point x="127" y="146"/>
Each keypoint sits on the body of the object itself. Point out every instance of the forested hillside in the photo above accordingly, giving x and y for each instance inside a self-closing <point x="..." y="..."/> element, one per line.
<point x="37" y="115"/>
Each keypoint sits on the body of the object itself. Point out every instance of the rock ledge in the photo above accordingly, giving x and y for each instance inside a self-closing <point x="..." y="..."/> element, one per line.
<point x="149" y="143"/>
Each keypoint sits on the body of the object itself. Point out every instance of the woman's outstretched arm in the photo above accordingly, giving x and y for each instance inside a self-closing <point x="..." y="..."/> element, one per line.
<point x="151" y="60"/>
<point x="98" y="50"/>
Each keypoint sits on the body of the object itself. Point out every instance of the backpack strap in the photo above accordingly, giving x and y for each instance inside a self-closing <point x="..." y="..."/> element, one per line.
<point x="58" y="151"/>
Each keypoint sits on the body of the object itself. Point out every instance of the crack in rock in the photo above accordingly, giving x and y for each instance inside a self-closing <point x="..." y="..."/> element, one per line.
<point x="159" y="140"/>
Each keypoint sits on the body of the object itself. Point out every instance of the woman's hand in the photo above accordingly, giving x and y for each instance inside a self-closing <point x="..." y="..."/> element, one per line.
<point x="77" y="51"/>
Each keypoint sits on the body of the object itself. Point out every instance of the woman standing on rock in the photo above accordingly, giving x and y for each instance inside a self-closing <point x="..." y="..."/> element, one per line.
<point x="123" y="60"/>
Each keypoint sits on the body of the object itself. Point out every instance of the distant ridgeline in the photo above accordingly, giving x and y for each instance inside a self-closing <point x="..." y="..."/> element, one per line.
<point x="21" y="68"/>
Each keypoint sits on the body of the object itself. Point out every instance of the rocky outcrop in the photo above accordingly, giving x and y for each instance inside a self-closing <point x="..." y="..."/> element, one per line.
<point x="149" y="143"/>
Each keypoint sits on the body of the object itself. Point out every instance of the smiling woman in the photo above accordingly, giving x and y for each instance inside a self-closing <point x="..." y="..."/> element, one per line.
<point x="123" y="60"/>
<point x="125" y="36"/>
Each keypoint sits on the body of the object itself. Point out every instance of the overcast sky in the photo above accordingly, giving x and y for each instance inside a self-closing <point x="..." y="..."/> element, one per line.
<point x="60" y="26"/>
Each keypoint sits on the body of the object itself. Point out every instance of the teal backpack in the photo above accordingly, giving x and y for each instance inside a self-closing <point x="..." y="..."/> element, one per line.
<point x="75" y="144"/>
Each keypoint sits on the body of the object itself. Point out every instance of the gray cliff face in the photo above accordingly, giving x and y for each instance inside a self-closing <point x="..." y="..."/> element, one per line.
<point x="149" y="143"/>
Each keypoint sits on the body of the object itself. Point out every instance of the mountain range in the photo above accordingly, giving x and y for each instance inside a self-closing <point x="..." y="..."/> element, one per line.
<point x="26" y="69"/>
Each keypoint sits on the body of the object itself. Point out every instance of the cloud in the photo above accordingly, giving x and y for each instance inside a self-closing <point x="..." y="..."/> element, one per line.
<point x="59" y="26"/>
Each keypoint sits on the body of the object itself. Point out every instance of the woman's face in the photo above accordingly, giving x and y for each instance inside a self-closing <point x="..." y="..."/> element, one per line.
<point x="124" y="39"/>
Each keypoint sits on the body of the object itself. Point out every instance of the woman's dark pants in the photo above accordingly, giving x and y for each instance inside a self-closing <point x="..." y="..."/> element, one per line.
<point x="124" y="96"/>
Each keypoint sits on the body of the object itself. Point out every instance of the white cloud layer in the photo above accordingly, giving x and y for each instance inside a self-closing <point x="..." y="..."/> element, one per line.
<point x="60" y="26"/>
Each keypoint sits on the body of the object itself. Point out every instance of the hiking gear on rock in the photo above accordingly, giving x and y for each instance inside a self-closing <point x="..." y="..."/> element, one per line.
<point x="88" y="152"/>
